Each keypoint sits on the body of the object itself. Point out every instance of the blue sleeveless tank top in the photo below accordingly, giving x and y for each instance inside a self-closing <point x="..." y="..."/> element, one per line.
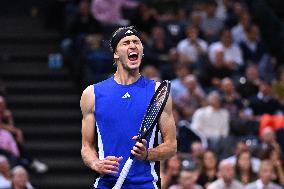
<point x="119" y="111"/>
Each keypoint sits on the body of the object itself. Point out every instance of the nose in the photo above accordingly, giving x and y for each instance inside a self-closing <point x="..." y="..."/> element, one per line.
<point x="132" y="44"/>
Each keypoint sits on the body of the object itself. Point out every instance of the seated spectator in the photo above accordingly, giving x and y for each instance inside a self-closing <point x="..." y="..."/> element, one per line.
<point x="255" y="51"/>
<point x="192" y="48"/>
<point x="240" y="148"/>
<point x="248" y="85"/>
<point x="226" y="174"/>
<point x="170" y="169"/>
<point x="5" y="173"/>
<point x="265" y="175"/>
<point x="157" y="48"/>
<point x="187" y="179"/>
<point x="189" y="102"/>
<point x="208" y="173"/>
<point x="8" y="144"/>
<point x="214" y="72"/>
<point x="244" y="172"/>
<point x="211" y="26"/>
<point x="239" y="31"/>
<point x="212" y="121"/>
<point x="20" y="178"/>
<point x="278" y="86"/>
<point x="151" y="72"/>
<point x="232" y="53"/>
<point x="264" y="101"/>
<point x="177" y="85"/>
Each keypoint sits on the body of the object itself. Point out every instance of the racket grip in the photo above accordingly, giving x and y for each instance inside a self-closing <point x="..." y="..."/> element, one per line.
<point x="123" y="174"/>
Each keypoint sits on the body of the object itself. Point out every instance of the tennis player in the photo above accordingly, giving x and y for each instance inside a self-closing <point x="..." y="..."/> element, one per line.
<point x="113" y="111"/>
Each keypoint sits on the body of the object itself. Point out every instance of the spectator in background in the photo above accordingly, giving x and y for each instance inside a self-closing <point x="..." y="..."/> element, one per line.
<point x="278" y="86"/>
<point x="264" y="102"/>
<point x="157" y="48"/>
<point x="212" y="121"/>
<point x="109" y="12"/>
<point x="151" y="72"/>
<point x="5" y="173"/>
<point x="189" y="102"/>
<point x="20" y="178"/>
<point x="208" y="173"/>
<point x="240" y="148"/>
<point x="226" y="178"/>
<point x="192" y="48"/>
<point x="7" y="144"/>
<point x="177" y="85"/>
<point x="211" y="26"/>
<point x="169" y="171"/>
<point x="265" y="175"/>
<point x="145" y="20"/>
<point x="7" y="122"/>
<point x="244" y="172"/>
<point x="255" y="51"/>
<point x="232" y="53"/>
<point x="239" y="31"/>
<point x="187" y="179"/>
<point x="248" y="85"/>
<point x="215" y="71"/>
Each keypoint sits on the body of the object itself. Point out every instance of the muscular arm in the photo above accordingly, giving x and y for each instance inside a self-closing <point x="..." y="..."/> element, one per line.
<point x="108" y="165"/>
<point x="88" y="150"/>
<point x="168" y="130"/>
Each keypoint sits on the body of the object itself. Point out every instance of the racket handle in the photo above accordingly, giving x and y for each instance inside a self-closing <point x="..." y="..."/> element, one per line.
<point x="123" y="174"/>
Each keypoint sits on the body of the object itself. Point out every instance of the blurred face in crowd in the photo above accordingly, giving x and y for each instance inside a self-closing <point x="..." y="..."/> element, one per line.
<point x="2" y="106"/>
<point x="190" y="82"/>
<point x="245" y="19"/>
<point x="150" y="72"/>
<point x="4" y="167"/>
<point x="252" y="73"/>
<point x="84" y="8"/>
<point x="219" y="58"/>
<point x="209" y="160"/>
<point x="158" y="33"/>
<point x="268" y="135"/>
<point x="226" y="38"/>
<point x="192" y="32"/>
<point x="253" y="33"/>
<point x="241" y="147"/>
<point x="265" y="88"/>
<point x="244" y="161"/>
<point x="181" y="71"/>
<point x="227" y="85"/>
<point x="266" y="172"/>
<point x="214" y="100"/>
<point x="197" y="149"/>
<point x="187" y="178"/>
<point x="20" y="177"/>
<point x="226" y="171"/>
<point x="174" y="164"/>
<point x="210" y="9"/>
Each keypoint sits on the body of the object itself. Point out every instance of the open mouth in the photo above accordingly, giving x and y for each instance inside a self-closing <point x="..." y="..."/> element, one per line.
<point x="132" y="56"/>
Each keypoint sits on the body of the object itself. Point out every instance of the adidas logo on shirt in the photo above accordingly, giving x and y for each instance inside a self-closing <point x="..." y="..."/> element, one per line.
<point x="126" y="95"/>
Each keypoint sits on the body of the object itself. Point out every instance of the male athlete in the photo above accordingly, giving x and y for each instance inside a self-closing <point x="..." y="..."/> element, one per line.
<point x="113" y="111"/>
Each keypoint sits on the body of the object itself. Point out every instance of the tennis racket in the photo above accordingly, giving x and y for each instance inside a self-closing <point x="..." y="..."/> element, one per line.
<point x="151" y="117"/>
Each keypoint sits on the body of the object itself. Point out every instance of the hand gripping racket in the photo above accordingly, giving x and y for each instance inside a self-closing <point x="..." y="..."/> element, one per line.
<point x="151" y="117"/>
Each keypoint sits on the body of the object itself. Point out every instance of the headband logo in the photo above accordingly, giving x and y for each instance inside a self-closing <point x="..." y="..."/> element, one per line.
<point x="128" y="31"/>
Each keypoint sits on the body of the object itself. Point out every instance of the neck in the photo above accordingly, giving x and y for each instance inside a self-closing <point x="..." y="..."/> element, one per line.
<point x="126" y="78"/>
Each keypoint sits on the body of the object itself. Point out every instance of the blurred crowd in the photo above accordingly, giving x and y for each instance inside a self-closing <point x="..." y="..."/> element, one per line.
<point x="15" y="161"/>
<point x="225" y="62"/>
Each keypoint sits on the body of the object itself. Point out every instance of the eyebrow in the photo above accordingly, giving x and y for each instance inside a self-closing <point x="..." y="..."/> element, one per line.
<point x="128" y="41"/>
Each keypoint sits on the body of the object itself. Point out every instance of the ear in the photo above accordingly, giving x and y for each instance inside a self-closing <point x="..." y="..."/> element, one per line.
<point x="115" y="56"/>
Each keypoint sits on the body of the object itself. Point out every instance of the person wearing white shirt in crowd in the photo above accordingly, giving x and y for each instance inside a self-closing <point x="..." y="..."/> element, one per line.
<point x="5" y="173"/>
<point x="232" y="52"/>
<point x="265" y="176"/>
<point x="239" y="30"/>
<point x="212" y="121"/>
<point x="226" y="174"/>
<point x="191" y="48"/>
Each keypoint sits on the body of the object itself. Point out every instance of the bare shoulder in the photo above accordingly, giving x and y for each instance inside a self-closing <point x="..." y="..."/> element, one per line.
<point x="87" y="101"/>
